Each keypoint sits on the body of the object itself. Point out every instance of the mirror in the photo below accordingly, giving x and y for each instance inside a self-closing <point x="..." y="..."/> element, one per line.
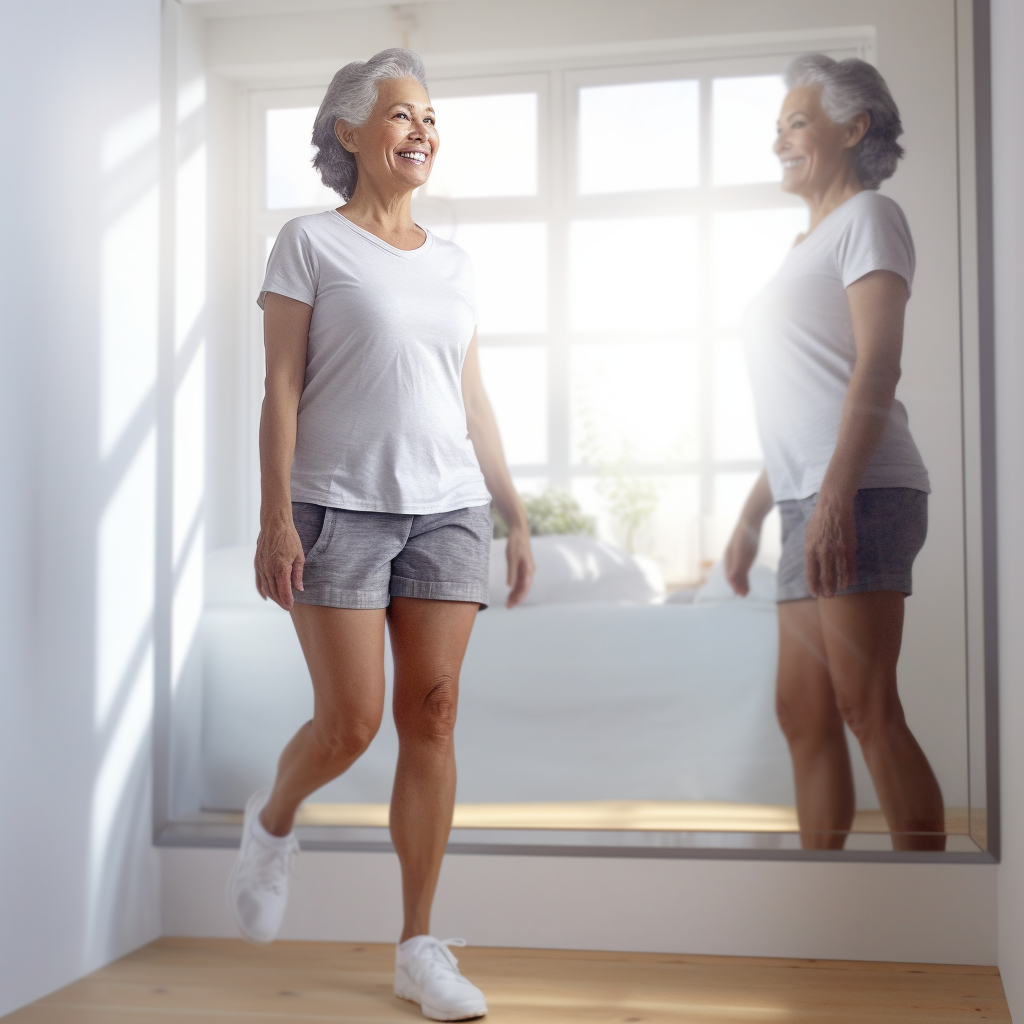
<point x="626" y="263"/>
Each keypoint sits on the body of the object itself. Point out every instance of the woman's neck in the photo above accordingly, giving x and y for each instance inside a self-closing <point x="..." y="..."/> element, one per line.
<point x="821" y="202"/>
<point x="386" y="215"/>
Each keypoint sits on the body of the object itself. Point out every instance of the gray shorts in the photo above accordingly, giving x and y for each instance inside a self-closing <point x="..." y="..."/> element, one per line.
<point x="363" y="559"/>
<point x="891" y="524"/>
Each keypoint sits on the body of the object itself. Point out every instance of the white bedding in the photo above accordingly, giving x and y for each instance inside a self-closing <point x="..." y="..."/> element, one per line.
<point x="561" y="702"/>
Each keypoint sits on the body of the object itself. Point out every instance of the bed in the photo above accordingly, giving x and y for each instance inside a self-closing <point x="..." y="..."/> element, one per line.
<point x="594" y="691"/>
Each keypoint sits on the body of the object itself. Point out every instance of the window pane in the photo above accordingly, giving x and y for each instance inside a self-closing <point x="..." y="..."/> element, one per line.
<point x="510" y="268"/>
<point x="516" y="379"/>
<point x="747" y="248"/>
<point x="632" y="274"/>
<point x="735" y="425"/>
<point x="469" y="162"/>
<point x="641" y="136"/>
<point x="669" y="534"/>
<point x="743" y="116"/>
<point x="634" y="403"/>
<point x="291" y="181"/>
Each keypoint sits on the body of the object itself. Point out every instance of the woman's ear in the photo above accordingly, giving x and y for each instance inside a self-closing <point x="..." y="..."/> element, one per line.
<point x="346" y="135"/>
<point x="857" y="129"/>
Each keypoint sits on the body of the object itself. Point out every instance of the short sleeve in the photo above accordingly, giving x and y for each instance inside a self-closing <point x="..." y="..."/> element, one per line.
<point x="293" y="269"/>
<point x="876" y="238"/>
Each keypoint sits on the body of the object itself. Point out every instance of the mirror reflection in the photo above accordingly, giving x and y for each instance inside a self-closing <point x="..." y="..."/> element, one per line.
<point x="674" y="371"/>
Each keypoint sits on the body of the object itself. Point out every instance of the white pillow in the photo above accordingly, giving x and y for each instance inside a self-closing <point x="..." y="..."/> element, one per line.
<point x="230" y="578"/>
<point x="717" y="589"/>
<point x="571" y="568"/>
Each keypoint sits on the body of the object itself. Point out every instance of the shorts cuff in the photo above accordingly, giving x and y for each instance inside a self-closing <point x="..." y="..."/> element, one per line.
<point x="801" y="592"/>
<point x="434" y="591"/>
<point x="327" y="596"/>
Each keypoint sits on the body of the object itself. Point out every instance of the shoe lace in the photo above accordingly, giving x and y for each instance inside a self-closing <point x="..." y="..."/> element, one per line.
<point x="271" y="866"/>
<point x="440" y="960"/>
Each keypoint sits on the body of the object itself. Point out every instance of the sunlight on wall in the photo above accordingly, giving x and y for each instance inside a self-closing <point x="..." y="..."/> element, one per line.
<point x="129" y="137"/>
<point x="128" y="324"/>
<point x="189" y="422"/>
<point x="126" y="532"/>
<point x="190" y="262"/>
<point x="188" y="544"/>
<point x="125" y="580"/>
<point x="189" y="451"/>
<point x="127" y="750"/>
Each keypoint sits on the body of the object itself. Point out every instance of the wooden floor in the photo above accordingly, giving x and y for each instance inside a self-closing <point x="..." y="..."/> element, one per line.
<point x="217" y="981"/>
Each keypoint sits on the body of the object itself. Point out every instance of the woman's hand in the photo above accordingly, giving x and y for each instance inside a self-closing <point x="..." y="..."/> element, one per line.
<point x="279" y="560"/>
<point x="830" y="545"/>
<point x="743" y="545"/>
<point x="519" y="556"/>
<point x="740" y="554"/>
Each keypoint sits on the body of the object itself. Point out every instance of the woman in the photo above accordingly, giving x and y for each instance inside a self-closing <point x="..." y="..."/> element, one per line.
<point x="824" y="341"/>
<point x="378" y="448"/>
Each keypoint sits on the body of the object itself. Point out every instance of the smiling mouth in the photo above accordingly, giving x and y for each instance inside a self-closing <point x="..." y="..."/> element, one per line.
<point x="415" y="156"/>
<point x="792" y="162"/>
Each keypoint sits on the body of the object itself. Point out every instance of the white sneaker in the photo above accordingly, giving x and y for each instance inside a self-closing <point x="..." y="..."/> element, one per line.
<point x="258" y="886"/>
<point x="428" y="974"/>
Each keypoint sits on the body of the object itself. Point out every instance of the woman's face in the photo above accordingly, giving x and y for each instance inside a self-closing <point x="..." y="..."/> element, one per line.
<point x="396" y="145"/>
<point x="814" y="150"/>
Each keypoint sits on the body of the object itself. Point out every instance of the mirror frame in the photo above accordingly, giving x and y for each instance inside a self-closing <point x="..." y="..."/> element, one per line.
<point x="974" y="146"/>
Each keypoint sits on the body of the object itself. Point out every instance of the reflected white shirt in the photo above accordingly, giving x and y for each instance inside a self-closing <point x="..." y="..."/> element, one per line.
<point x="799" y="341"/>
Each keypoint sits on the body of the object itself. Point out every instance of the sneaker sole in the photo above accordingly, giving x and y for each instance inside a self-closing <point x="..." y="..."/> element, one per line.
<point x="405" y="989"/>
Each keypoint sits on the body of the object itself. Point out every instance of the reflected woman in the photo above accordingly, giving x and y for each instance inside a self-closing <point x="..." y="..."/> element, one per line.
<point x="378" y="448"/>
<point x="824" y="342"/>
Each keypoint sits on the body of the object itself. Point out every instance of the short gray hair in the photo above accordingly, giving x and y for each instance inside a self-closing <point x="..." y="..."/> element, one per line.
<point x="848" y="88"/>
<point x="350" y="97"/>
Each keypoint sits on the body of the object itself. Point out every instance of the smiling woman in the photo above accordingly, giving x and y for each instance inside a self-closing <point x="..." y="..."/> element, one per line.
<point x="379" y="454"/>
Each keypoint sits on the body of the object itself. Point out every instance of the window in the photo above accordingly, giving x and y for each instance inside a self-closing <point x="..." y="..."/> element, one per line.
<point x="619" y="220"/>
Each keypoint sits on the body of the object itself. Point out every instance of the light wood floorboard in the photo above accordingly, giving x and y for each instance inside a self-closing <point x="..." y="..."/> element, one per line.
<point x="221" y="981"/>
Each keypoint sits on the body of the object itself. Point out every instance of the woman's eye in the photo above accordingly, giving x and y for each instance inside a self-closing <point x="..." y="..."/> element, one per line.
<point x="401" y="114"/>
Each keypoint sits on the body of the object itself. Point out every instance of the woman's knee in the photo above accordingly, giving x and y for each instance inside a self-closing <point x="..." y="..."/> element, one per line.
<point x="431" y="713"/>
<point x="870" y="708"/>
<point x="340" y="741"/>
<point x="804" y="716"/>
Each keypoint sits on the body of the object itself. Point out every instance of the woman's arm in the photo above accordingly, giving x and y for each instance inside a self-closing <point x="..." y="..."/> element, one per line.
<point x="746" y="538"/>
<point x="483" y="432"/>
<point x="878" y="302"/>
<point x="279" y="557"/>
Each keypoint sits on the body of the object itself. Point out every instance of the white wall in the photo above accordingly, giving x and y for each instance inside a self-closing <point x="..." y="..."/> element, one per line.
<point x="1008" y="146"/>
<point x="79" y="880"/>
<point x="923" y="913"/>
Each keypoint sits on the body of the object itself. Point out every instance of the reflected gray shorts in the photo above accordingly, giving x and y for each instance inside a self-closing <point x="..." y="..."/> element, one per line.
<point x="891" y="524"/>
<point x="363" y="559"/>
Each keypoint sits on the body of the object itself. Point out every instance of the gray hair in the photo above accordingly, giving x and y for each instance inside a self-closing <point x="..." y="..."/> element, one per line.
<point x="350" y="97"/>
<point x="848" y="88"/>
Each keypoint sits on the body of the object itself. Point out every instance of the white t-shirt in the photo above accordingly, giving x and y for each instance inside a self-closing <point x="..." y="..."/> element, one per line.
<point x="800" y="350"/>
<point x="381" y="422"/>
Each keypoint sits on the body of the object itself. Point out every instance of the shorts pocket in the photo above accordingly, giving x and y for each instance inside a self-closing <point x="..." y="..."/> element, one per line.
<point x="314" y="525"/>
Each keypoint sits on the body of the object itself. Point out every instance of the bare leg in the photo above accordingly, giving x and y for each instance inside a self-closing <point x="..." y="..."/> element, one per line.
<point x="344" y="650"/>
<point x="810" y="720"/>
<point x="428" y="640"/>
<point x="863" y="634"/>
